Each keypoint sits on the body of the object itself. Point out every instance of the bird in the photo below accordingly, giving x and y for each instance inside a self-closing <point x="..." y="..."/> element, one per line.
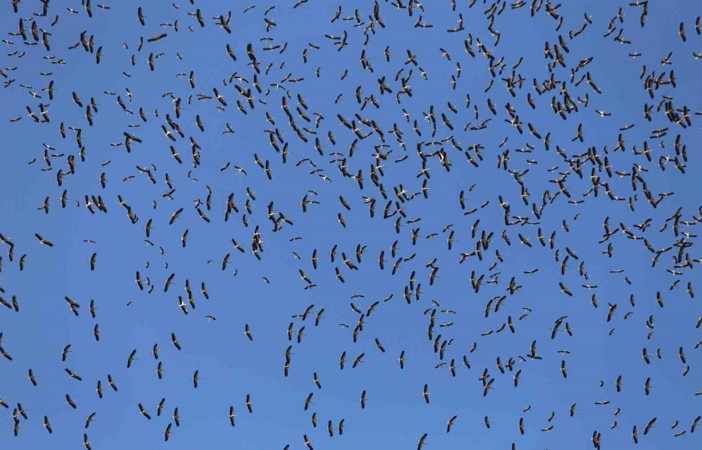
<point x="422" y="441"/>
<point x="47" y="425"/>
<point x="450" y="423"/>
<point x="130" y="359"/>
<point x="86" y="442"/>
<point x="167" y="432"/>
<point x="43" y="240"/>
<point x="175" y="342"/>
<point x="143" y="411"/>
<point x="232" y="416"/>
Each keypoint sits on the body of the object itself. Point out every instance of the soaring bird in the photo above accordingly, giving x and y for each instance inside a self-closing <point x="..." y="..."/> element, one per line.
<point x="450" y="423"/>
<point x="421" y="442"/>
<point x="143" y="411"/>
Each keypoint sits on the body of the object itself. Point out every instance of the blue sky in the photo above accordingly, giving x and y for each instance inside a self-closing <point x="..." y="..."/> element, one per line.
<point x="267" y="293"/>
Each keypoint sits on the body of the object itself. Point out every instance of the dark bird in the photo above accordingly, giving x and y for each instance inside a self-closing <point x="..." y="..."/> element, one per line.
<point x="422" y="441"/>
<point x="143" y="411"/>
<point x="43" y="240"/>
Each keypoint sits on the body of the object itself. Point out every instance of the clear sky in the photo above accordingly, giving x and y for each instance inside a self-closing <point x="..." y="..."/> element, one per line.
<point x="498" y="125"/>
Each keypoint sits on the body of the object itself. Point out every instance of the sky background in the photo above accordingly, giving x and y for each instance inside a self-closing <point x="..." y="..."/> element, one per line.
<point x="230" y="365"/>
